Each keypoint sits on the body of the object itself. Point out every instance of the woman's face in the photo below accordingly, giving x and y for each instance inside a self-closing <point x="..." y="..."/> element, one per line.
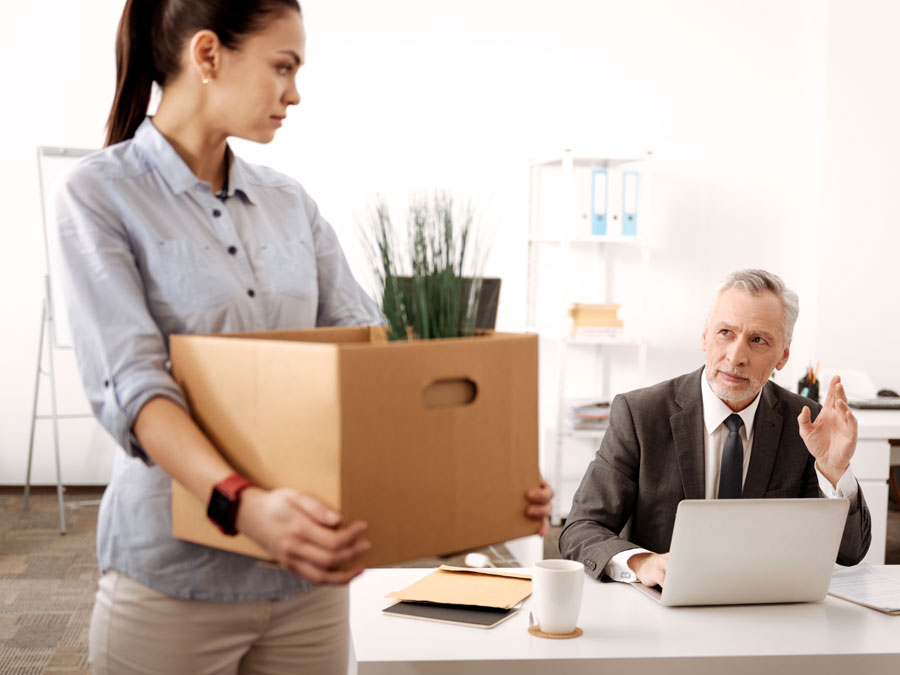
<point x="255" y="84"/>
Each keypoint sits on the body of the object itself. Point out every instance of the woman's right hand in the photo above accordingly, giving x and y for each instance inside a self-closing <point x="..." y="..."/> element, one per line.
<point x="302" y="534"/>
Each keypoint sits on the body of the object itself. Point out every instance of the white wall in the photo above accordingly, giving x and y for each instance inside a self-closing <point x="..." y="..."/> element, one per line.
<point x="770" y="122"/>
<point x="859" y="262"/>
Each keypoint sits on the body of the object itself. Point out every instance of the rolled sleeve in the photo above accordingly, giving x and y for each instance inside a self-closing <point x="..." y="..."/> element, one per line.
<point x="121" y="352"/>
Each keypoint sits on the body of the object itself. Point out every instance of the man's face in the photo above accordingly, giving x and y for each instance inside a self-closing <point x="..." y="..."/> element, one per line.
<point x="744" y="343"/>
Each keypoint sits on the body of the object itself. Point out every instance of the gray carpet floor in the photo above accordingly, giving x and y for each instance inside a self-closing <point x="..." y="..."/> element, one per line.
<point x="47" y="580"/>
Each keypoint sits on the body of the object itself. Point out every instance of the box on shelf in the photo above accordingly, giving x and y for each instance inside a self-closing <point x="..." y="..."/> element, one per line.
<point x="595" y="318"/>
<point x="432" y="442"/>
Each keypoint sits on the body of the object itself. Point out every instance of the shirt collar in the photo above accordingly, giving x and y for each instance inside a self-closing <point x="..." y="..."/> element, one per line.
<point x="154" y="146"/>
<point x="715" y="412"/>
<point x="238" y="184"/>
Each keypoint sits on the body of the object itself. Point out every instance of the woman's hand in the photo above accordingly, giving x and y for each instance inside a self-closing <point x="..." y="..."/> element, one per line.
<point x="302" y="534"/>
<point x="538" y="499"/>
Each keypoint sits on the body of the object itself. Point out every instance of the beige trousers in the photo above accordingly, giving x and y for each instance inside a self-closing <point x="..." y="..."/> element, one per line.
<point x="135" y="629"/>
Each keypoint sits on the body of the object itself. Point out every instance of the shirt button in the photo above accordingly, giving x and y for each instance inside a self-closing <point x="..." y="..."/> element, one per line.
<point x="232" y="250"/>
<point x="251" y="292"/>
<point x="216" y="213"/>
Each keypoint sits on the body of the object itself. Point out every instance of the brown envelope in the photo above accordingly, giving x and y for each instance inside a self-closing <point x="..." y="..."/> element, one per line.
<point x="500" y="588"/>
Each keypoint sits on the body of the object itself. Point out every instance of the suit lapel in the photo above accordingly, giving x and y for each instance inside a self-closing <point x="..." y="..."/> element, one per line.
<point x="766" y="432"/>
<point x="687" y="435"/>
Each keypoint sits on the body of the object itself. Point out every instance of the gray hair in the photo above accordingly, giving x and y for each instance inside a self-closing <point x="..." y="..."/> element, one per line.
<point x="755" y="282"/>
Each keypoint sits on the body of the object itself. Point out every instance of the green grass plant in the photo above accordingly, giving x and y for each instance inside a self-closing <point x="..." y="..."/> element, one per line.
<point x="428" y="270"/>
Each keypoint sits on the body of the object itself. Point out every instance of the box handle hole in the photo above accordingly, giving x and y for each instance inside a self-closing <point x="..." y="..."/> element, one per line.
<point x="449" y="393"/>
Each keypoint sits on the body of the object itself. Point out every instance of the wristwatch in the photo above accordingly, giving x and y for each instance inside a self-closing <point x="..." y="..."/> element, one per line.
<point x="224" y="502"/>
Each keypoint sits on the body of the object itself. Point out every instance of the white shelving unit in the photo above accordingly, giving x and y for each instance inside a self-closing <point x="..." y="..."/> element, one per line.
<point x="567" y="264"/>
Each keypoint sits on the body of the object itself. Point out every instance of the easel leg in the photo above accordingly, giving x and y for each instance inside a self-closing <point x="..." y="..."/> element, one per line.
<point x="37" y="386"/>
<point x="59" y="486"/>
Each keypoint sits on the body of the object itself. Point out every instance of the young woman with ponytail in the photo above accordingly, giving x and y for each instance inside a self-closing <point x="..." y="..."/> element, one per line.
<point x="166" y="231"/>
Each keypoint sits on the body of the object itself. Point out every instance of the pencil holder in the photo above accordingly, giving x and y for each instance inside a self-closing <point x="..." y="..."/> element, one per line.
<point x="807" y="388"/>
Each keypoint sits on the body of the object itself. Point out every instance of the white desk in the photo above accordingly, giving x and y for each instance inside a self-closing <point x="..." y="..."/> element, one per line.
<point x="871" y="464"/>
<point x="625" y="633"/>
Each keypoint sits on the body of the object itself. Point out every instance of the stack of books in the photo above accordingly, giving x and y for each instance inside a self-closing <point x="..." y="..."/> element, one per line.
<point x="589" y="415"/>
<point x="595" y="319"/>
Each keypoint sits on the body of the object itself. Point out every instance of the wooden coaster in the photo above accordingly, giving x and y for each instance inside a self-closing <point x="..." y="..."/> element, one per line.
<point x="535" y="630"/>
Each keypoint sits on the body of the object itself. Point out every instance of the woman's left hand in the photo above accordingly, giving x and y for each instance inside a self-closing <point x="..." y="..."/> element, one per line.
<point x="538" y="499"/>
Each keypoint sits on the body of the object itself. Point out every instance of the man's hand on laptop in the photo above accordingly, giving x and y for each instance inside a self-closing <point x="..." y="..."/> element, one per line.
<point x="650" y="568"/>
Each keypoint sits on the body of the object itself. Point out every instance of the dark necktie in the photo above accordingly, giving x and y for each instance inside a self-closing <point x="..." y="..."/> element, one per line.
<point x="732" y="471"/>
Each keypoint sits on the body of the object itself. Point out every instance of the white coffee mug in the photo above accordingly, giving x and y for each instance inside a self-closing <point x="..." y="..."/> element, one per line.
<point x="556" y="595"/>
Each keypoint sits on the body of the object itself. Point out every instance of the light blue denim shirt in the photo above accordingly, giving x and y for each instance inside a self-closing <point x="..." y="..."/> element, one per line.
<point x="148" y="250"/>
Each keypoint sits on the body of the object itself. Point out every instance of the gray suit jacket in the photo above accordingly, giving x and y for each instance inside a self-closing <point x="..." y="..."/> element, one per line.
<point x="652" y="457"/>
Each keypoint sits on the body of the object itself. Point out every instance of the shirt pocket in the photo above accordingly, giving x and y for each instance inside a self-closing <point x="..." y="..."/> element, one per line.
<point x="187" y="274"/>
<point x="290" y="268"/>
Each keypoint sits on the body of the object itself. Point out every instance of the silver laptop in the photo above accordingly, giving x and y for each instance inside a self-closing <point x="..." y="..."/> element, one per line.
<point x="751" y="551"/>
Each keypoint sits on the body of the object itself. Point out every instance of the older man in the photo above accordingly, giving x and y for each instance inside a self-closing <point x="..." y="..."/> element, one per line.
<point x="723" y="431"/>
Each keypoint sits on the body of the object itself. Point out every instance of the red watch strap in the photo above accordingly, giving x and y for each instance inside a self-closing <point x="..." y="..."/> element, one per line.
<point x="231" y="487"/>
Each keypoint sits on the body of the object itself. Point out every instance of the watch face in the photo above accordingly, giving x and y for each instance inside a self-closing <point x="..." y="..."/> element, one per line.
<point x="221" y="511"/>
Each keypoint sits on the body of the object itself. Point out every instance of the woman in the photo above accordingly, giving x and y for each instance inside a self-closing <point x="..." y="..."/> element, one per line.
<point x="166" y="231"/>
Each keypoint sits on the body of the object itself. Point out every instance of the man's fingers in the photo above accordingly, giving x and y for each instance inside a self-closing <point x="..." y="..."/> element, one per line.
<point x="840" y="394"/>
<point x="803" y="419"/>
<point x="848" y="417"/>
<point x="835" y="391"/>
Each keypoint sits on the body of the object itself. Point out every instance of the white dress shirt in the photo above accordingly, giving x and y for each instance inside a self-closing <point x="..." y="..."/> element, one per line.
<point x="715" y="412"/>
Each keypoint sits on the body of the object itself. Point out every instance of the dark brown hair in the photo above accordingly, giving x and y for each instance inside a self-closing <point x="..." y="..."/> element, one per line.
<point x="151" y="36"/>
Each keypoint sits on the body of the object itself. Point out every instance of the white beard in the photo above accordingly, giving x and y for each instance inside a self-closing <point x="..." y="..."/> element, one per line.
<point x="735" y="394"/>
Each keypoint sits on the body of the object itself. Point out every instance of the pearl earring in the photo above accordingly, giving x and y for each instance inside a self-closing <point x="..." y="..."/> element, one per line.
<point x="205" y="79"/>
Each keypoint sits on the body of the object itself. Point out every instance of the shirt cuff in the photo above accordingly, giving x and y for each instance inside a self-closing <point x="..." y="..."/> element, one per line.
<point x="617" y="568"/>
<point x="847" y="487"/>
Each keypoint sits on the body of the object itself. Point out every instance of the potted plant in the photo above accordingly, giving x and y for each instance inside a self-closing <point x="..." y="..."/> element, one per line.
<point x="429" y="270"/>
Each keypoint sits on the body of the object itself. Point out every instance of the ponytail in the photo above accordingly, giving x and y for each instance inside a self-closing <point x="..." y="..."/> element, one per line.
<point x="135" y="71"/>
<point x="152" y="34"/>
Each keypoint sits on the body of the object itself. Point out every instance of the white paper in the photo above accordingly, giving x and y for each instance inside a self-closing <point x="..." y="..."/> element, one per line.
<point x="864" y="585"/>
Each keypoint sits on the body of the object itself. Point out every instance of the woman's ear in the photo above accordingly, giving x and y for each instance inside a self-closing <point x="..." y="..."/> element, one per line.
<point x="205" y="54"/>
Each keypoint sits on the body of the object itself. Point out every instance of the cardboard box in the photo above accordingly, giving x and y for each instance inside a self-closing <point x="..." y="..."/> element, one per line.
<point x="595" y="315"/>
<point x="432" y="442"/>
